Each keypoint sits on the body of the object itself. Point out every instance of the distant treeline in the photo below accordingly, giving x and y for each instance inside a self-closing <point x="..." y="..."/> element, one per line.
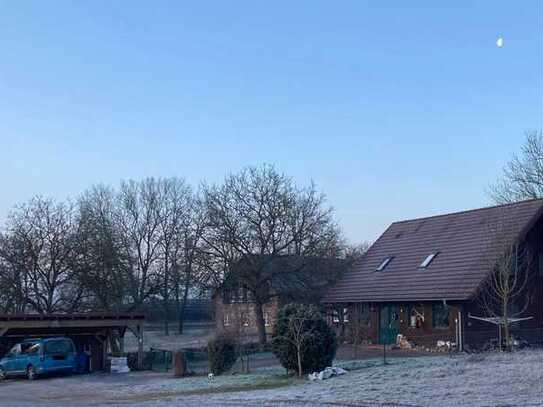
<point x="157" y="240"/>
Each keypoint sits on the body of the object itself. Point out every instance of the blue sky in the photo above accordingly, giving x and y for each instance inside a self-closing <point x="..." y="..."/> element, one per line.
<point x="395" y="109"/>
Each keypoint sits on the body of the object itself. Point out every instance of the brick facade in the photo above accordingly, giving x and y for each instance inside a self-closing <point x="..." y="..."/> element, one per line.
<point x="239" y="318"/>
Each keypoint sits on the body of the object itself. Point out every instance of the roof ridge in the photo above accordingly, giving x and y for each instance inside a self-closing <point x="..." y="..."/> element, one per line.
<point x="469" y="210"/>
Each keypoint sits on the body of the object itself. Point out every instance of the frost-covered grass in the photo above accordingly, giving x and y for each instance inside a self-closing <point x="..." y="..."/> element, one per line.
<point x="490" y="380"/>
<point x="482" y="380"/>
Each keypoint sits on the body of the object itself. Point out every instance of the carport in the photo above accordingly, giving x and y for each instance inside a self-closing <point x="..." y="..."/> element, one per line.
<point x="93" y="333"/>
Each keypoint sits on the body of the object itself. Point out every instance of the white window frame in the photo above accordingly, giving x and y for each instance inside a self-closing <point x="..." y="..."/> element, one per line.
<point x="335" y="317"/>
<point x="384" y="263"/>
<point x="346" y="314"/>
<point x="428" y="260"/>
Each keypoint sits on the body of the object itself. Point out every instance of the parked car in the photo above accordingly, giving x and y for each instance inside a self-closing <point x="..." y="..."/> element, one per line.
<point x="36" y="357"/>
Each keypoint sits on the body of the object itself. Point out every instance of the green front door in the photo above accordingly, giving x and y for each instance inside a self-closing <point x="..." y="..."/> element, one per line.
<point x="389" y="323"/>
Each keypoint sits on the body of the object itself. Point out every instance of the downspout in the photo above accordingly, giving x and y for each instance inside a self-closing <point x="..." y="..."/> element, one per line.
<point x="462" y="338"/>
<point x="460" y="341"/>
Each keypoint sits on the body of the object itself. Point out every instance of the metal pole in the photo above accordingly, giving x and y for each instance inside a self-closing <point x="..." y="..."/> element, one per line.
<point x="139" y="330"/>
<point x="460" y="338"/>
<point x="500" y="336"/>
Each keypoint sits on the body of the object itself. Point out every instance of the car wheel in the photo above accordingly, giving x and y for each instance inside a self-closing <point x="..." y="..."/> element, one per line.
<point x="31" y="373"/>
<point x="2" y="375"/>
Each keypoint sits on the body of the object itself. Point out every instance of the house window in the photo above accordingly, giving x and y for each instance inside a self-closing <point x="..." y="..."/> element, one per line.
<point x="383" y="264"/>
<point x="226" y="320"/>
<point x="335" y="317"/>
<point x="343" y="313"/>
<point x="440" y="315"/>
<point x="266" y="319"/>
<point x="428" y="260"/>
<point x="415" y="317"/>
<point x="237" y="295"/>
<point x="245" y="319"/>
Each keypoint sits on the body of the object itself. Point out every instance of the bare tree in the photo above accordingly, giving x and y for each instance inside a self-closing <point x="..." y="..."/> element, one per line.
<point x="42" y="231"/>
<point x="506" y="293"/>
<point x="522" y="176"/>
<point x="258" y="215"/>
<point x="241" y="331"/>
<point x="100" y="267"/>
<point x="173" y="208"/>
<point x="137" y="217"/>
<point x="355" y="252"/>
<point x="299" y="330"/>
<point x="14" y="290"/>
<point x="190" y="259"/>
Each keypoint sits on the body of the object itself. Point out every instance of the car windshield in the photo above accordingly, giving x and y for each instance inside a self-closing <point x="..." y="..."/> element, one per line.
<point x="58" y="347"/>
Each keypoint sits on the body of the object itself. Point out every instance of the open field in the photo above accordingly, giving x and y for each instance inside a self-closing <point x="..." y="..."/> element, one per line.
<point x="196" y="335"/>
<point x="463" y="380"/>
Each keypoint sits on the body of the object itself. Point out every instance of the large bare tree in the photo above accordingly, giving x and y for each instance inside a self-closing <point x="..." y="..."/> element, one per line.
<point x="522" y="177"/>
<point x="258" y="215"/>
<point x="189" y="258"/>
<point x="174" y="207"/>
<point x="100" y="265"/>
<point x="137" y="218"/>
<point x="14" y="281"/>
<point x="42" y="240"/>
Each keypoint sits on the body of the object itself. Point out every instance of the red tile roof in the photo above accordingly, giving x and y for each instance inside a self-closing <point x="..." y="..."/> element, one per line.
<point x="463" y="240"/>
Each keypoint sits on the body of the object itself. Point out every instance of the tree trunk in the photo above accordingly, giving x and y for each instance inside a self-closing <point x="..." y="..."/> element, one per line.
<point x="181" y="315"/>
<point x="166" y="294"/>
<point x="506" y="328"/>
<point x="177" y="294"/>
<point x="260" y="323"/>
<point x="299" y="356"/>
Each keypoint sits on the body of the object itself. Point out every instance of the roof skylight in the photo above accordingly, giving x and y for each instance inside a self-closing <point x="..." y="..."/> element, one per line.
<point x="383" y="264"/>
<point x="428" y="260"/>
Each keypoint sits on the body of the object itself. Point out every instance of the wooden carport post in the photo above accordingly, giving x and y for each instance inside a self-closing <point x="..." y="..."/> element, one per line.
<point x="122" y="331"/>
<point x="105" y="344"/>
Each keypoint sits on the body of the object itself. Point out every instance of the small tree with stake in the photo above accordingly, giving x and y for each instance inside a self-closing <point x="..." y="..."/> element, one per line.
<point x="506" y="293"/>
<point x="302" y="340"/>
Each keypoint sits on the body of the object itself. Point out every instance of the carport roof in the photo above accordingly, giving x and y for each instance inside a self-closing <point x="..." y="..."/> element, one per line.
<point x="52" y="324"/>
<point x="72" y="317"/>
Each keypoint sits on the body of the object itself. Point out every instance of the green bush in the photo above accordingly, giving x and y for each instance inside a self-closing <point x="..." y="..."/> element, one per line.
<point x="221" y="353"/>
<point x="303" y="325"/>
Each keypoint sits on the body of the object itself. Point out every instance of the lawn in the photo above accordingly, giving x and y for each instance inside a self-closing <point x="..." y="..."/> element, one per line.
<point x="462" y="380"/>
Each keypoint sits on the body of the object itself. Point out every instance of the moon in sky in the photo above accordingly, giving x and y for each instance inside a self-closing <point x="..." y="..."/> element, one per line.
<point x="499" y="42"/>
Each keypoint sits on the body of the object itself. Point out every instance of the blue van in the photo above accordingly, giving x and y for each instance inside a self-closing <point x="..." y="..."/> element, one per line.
<point x="35" y="357"/>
